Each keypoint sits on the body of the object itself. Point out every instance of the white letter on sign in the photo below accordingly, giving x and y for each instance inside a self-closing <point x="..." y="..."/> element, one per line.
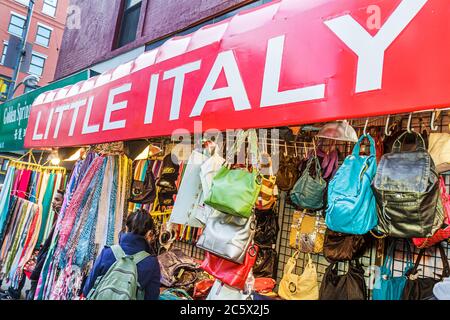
<point x="370" y="50"/>
<point x="111" y="107"/>
<point x="153" y="90"/>
<point x="235" y="89"/>
<point x="179" y="74"/>
<point x="86" y="127"/>
<point x="36" y="135"/>
<point x="271" y="96"/>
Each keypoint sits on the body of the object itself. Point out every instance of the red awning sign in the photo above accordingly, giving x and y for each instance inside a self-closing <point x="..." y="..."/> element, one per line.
<point x="285" y="63"/>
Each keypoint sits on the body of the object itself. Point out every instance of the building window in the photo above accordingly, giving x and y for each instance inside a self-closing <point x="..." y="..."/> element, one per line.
<point x="37" y="65"/>
<point x="5" y="48"/>
<point x="16" y="25"/>
<point x="43" y="35"/>
<point x="24" y="2"/>
<point x="129" y="22"/>
<point x="49" y="7"/>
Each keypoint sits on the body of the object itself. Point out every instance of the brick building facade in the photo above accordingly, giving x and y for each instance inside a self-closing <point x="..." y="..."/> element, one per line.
<point x="116" y="31"/>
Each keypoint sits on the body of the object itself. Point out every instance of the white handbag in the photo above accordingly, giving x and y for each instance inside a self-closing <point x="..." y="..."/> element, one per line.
<point x="227" y="236"/>
<point x="190" y="193"/>
<point x="221" y="291"/>
<point x="207" y="172"/>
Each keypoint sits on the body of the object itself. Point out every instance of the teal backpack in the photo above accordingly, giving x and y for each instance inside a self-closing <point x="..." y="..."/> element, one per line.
<point x="121" y="280"/>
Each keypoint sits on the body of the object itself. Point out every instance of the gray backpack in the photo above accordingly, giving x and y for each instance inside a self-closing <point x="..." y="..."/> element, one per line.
<point x="121" y="280"/>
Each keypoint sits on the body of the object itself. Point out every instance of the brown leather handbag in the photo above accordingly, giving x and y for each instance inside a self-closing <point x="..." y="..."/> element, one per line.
<point x="343" y="247"/>
<point x="288" y="173"/>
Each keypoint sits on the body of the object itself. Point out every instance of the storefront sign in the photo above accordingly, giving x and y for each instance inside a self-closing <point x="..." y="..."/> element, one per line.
<point x="285" y="63"/>
<point x="14" y="113"/>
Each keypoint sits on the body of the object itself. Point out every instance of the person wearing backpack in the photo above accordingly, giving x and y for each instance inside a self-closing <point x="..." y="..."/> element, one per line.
<point x="127" y="271"/>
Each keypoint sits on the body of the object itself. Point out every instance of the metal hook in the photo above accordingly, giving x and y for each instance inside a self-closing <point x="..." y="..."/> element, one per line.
<point x="433" y="119"/>
<point x="295" y="147"/>
<point x="408" y="128"/>
<point x="285" y="148"/>
<point x="365" y="127"/>
<point x="387" y="132"/>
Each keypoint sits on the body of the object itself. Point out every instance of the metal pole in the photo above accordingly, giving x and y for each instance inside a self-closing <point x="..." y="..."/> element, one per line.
<point x="23" y="43"/>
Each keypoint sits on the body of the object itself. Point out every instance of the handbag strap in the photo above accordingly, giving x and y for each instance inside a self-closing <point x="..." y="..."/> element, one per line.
<point x="357" y="148"/>
<point x="253" y="149"/>
<point x="318" y="167"/>
<point x="292" y="263"/>
<point x="445" y="264"/>
<point x="420" y="143"/>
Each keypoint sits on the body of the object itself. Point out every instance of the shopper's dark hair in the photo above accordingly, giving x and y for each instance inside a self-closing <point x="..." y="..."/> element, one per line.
<point x="140" y="222"/>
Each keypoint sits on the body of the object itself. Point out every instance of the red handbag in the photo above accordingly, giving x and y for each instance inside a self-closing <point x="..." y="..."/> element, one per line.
<point x="202" y="289"/>
<point x="441" y="234"/>
<point x="228" y="272"/>
<point x="264" y="285"/>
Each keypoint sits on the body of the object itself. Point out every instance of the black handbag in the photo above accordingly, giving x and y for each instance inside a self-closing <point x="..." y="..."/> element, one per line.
<point x="349" y="286"/>
<point x="422" y="288"/>
<point x="406" y="189"/>
<point x="266" y="263"/>
<point x="167" y="181"/>
<point x="267" y="227"/>
<point x="144" y="191"/>
<point x="343" y="247"/>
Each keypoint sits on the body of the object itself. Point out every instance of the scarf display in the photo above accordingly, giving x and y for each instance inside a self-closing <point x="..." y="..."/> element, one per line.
<point x="26" y="216"/>
<point x="91" y="217"/>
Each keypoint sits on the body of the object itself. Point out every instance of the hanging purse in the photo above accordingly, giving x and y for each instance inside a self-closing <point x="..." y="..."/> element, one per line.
<point x="386" y="286"/>
<point x="167" y="181"/>
<point x="439" y="148"/>
<point x="221" y="291"/>
<point x="230" y="273"/>
<point x="269" y="191"/>
<point x="266" y="263"/>
<point x="172" y="264"/>
<point x="234" y="191"/>
<point x="307" y="232"/>
<point x="422" y="288"/>
<point x="189" y="196"/>
<point x="144" y="191"/>
<point x="444" y="232"/>
<point x="351" y="203"/>
<point x="295" y="287"/>
<point x="308" y="191"/>
<point x="267" y="227"/>
<point x="406" y="189"/>
<point x="227" y="236"/>
<point x="207" y="172"/>
<point x="349" y="286"/>
<point x="288" y="173"/>
<point x="343" y="247"/>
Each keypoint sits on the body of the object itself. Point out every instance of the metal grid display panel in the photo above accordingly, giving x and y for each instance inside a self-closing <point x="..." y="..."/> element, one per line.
<point x="284" y="250"/>
<point x="431" y="265"/>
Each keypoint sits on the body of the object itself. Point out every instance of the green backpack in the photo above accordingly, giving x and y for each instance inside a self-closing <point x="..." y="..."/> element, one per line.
<point x="121" y="280"/>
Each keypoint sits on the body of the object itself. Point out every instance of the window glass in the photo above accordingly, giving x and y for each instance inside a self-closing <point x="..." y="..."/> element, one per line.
<point x="5" y="48"/>
<point x="37" y="65"/>
<point x="129" y="22"/>
<point x="16" y="25"/>
<point x="43" y="36"/>
<point x="49" y="7"/>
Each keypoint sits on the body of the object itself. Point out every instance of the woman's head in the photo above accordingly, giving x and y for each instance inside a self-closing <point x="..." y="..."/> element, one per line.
<point x="141" y="223"/>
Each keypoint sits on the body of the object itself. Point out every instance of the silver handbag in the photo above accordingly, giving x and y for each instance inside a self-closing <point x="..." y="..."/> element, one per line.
<point x="227" y="236"/>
